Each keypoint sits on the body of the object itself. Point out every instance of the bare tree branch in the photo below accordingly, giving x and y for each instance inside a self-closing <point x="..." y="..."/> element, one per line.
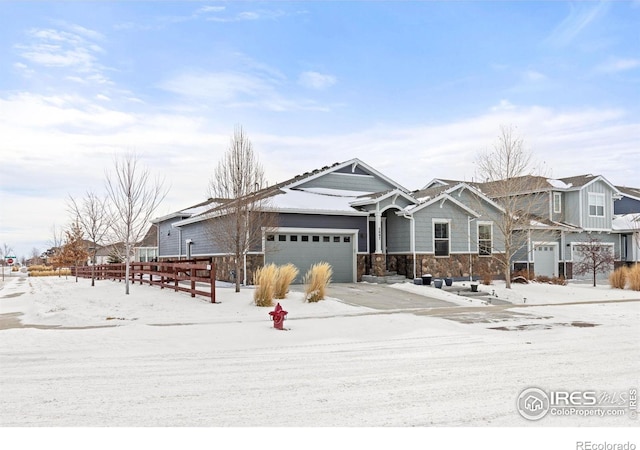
<point x="134" y="197"/>
<point x="239" y="182"/>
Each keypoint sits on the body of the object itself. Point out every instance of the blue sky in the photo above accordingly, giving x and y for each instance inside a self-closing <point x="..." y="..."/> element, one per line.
<point x="415" y="89"/>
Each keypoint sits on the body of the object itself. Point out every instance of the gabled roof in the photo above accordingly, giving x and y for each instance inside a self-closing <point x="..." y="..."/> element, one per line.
<point x="442" y="198"/>
<point x="293" y="196"/>
<point x="426" y="195"/>
<point x="192" y="210"/>
<point x="379" y="196"/>
<point x="631" y="192"/>
<point x="354" y="163"/>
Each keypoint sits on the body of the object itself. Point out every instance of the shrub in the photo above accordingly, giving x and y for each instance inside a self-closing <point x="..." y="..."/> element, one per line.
<point x="524" y="273"/>
<point x="264" y="279"/>
<point x="633" y="276"/>
<point x="316" y="281"/>
<point x="285" y="276"/>
<point x="618" y="278"/>
<point x="50" y="273"/>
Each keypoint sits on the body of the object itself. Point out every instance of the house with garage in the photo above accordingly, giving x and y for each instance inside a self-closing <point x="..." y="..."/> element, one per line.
<point x="353" y="217"/>
<point x="626" y="222"/>
<point x="568" y="212"/>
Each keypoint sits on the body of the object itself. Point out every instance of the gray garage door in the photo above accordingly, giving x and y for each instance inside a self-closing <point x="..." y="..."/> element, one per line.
<point x="305" y="249"/>
<point x="544" y="260"/>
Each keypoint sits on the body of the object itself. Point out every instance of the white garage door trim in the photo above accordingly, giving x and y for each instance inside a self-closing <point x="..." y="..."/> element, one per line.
<point x="574" y="253"/>
<point x="536" y="245"/>
<point x="352" y="233"/>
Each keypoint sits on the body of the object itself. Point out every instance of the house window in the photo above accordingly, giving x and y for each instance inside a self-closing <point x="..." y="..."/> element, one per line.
<point x="271" y="238"/>
<point x="596" y="205"/>
<point x="305" y="238"/>
<point x="326" y="239"/>
<point x="336" y="239"/>
<point x="282" y="237"/>
<point x="485" y="243"/>
<point x="557" y="202"/>
<point x="315" y="238"/>
<point x="441" y="238"/>
<point x="293" y="238"/>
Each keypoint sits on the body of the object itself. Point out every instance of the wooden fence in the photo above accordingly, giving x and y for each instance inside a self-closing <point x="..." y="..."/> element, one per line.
<point x="164" y="274"/>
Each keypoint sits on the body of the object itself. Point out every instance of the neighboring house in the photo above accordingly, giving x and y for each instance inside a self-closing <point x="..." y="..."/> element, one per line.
<point x="629" y="201"/>
<point x="147" y="249"/>
<point x="627" y="222"/>
<point x="568" y="212"/>
<point x="358" y="220"/>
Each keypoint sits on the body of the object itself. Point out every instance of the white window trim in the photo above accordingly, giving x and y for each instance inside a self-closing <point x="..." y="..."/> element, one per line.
<point x="558" y="210"/>
<point x="433" y="235"/>
<point x="478" y="236"/>
<point x="595" y="195"/>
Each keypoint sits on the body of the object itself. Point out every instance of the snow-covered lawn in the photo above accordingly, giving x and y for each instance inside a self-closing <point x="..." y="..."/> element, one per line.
<point x="160" y="358"/>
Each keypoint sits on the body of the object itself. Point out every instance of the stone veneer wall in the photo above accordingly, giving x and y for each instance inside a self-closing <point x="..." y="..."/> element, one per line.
<point x="455" y="266"/>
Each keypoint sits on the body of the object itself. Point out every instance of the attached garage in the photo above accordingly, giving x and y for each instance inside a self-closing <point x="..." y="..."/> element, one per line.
<point x="545" y="259"/>
<point x="306" y="247"/>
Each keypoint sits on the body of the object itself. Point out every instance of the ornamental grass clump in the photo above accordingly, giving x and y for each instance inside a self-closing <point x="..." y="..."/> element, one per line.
<point x="264" y="280"/>
<point x="316" y="281"/>
<point x="633" y="277"/>
<point x="618" y="278"/>
<point x="285" y="276"/>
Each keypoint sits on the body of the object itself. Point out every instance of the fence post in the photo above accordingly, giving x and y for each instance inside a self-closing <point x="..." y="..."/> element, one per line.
<point x="193" y="282"/>
<point x="175" y="278"/>
<point x="212" y="275"/>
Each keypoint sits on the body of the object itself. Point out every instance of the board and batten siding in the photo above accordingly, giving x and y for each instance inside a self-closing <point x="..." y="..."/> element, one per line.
<point x="349" y="181"/>
<point x="168" y="238"/>
<point x="398" y="233"/>
<point x="597" y="223"/>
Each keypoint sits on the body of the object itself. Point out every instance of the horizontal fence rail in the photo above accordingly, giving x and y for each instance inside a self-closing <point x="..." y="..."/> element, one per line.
<point x="164" y="274"/>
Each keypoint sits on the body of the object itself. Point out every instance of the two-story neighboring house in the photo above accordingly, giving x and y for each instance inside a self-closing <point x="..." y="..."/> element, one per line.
<point x="626" y="222"/>
<point x="569" y="212"/>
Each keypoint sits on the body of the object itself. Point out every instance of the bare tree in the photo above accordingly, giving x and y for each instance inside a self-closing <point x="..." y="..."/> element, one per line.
<point x="93" y="215"/>
<point x="507" y="172"/>
<point x="134" y="196"/>
<point x="593" y="258"/>
<point x="238" y="180"/>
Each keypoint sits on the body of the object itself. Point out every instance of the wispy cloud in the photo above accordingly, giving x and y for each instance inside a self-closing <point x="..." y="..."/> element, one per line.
<point x="614" y="65"/>
<point x="238" y="89"/>
<point x="581" y="15"/>
<point x="316" y="80"/>
<point x="74" y="48"/>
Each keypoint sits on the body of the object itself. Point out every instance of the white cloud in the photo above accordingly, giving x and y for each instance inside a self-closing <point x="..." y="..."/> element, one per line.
<point x="237" y="90"/>
<point x="581" y="16"/>
<point x="534" y="76"/>
<point x="316" y="80"/>
<point x="619" y="65"/>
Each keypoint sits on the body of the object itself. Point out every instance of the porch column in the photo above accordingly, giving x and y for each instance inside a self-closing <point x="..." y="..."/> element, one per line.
<point x="378" y="232"/>
<point x="379" y="263"/>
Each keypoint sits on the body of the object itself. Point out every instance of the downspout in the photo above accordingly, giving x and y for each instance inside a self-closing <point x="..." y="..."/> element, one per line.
<point x="179" y="243"/>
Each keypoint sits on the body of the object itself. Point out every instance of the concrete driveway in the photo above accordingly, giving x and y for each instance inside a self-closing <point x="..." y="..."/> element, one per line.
<point x="382" y="297"/>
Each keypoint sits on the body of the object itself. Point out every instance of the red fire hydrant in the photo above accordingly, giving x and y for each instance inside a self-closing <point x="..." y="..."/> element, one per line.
<point x="278" y="315"/>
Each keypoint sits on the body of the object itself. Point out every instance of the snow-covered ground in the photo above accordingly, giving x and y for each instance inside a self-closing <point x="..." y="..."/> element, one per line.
<point x="94" y="357"/>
